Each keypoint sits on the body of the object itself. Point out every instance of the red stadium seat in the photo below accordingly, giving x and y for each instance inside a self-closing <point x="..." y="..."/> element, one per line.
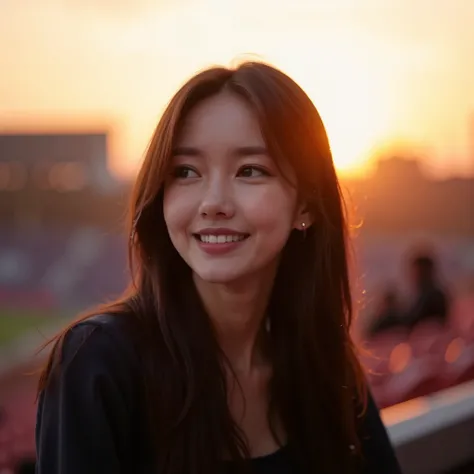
<point x="462" y="317"/>
<point x="412" y="367"/>
<point x="430" y="338"/>
<point x="385" y="354"/>
<point x="421" y="378"/>
<point x="376" y="352"/>
<point x="459" y="358"/>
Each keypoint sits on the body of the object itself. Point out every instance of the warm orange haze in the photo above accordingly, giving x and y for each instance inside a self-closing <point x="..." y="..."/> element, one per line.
<point x="83" y="84"/>
<point x="383" y="74"/>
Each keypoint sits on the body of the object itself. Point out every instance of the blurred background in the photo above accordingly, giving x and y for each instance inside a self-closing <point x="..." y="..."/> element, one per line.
<point x="82" y="86"/>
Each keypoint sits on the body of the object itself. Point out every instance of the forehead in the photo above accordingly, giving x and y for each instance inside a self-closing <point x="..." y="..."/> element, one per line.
<point x="224" y="119"/>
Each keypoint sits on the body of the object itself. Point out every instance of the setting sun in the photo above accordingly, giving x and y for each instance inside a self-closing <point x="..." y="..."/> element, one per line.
<point x="352" y="97"/>
<point x="372" y="76"/>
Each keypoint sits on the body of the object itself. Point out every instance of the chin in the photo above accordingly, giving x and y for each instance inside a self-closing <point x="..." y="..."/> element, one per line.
<point x="220" y="276"/>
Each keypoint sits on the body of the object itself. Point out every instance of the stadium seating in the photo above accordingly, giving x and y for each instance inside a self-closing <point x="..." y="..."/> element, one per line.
<point x="108" y="276"/>
<point x="402" y="366"/>
<point x="17" y="430"/>
<point x="60" y="267"/>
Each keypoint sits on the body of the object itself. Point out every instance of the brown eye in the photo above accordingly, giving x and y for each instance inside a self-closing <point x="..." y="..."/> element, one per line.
<point x="184" y="172"/>
<point x="252" y="172"/>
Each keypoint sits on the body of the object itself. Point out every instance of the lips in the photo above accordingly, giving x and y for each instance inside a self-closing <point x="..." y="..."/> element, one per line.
<point x="220" y="236"/>
<point x="220" y="240"/>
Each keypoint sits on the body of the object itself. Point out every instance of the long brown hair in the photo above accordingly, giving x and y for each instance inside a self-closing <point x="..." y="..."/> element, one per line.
<point x="317" y="381"/>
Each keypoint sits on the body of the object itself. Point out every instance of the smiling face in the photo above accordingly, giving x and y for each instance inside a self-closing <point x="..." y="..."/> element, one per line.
<point x="228" y="209"/>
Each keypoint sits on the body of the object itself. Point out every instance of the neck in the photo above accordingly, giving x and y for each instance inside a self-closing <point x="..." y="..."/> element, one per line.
<point x="238" y="313"/>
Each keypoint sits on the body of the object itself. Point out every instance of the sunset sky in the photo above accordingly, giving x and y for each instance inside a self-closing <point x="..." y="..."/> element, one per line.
<point x="384" y="74"/>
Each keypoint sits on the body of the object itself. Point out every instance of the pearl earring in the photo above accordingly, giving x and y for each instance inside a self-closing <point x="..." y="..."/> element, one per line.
<point x="303" y="229"/>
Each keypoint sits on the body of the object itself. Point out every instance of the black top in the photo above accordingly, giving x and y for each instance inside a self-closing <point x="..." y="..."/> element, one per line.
<point x="90" y="419"/>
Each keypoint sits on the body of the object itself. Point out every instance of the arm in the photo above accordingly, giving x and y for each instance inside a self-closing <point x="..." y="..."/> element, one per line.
<point x="83" y="420"/>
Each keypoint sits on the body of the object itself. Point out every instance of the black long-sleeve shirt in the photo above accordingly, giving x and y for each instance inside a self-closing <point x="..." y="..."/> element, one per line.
<point x="91" y="419"/>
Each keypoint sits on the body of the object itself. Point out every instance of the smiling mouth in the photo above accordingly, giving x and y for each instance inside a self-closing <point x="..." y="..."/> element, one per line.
<point x="220" y="239"/>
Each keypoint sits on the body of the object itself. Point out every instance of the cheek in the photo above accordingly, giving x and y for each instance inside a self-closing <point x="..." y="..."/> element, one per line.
<point x="273" y="210"/>
<point x="178" y="210"/>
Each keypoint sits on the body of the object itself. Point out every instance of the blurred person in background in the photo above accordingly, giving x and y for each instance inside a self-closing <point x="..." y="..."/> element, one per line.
<point x="388" y="314"/>
<point x="430" y="301"/>
<point x="231" y="350"/>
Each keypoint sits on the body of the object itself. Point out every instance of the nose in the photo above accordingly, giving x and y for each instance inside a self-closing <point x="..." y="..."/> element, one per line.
<point x="217" y="200"/>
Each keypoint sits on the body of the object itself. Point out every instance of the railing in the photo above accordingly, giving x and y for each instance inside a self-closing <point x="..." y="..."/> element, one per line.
<point x="434" y="434"/>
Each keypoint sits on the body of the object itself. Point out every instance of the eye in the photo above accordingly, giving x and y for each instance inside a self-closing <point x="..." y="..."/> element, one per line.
<point x="184" y="172"/>
<point x="252" y="172"/>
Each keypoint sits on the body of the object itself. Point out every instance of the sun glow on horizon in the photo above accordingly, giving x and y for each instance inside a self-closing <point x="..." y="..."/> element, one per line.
<point x="372" y="76"/>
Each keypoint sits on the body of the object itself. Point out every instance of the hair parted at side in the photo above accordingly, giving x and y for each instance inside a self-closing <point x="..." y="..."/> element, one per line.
<point x="317" y="387"/>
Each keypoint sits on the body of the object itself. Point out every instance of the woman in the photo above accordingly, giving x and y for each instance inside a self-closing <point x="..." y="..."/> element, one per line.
<point x="231" y="351"/>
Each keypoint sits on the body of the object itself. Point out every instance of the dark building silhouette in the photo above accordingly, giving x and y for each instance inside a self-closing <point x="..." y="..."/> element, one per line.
<point x="57" y="178"/>
<point x="399" y="198"/>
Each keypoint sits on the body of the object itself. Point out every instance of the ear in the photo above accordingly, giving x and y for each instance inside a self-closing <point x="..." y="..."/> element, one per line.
<point x="304" y="218"/>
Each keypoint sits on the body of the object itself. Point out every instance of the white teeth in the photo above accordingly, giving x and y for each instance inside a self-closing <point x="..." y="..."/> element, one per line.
<point x="220" y="239"/>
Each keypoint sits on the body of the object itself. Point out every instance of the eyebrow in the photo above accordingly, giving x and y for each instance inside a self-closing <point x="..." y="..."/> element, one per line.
<point x="251" y="150"/>
<point x="239" y="151"/>
<point x="186" y="151"/>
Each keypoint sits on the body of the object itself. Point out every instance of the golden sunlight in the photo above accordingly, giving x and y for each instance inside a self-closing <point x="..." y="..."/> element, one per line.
<point x="352" y="95"/>
<point x="368" y="82"/>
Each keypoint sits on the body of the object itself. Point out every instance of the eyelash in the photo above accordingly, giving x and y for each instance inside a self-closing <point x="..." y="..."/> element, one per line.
<point x="261" y="170"/>
<point x="177" y="171"/>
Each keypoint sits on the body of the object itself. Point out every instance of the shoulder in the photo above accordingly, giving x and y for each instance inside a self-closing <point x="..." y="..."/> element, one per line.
<point x="99" y="329"/>
<point x="95" y="345"/>
<point x="90" y="402"/>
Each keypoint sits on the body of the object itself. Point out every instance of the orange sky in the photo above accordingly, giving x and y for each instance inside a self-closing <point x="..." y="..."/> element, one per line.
<point x="379" y="71"/>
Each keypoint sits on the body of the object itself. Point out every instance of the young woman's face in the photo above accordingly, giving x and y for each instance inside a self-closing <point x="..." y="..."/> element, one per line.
<point x="228" y="209"/>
